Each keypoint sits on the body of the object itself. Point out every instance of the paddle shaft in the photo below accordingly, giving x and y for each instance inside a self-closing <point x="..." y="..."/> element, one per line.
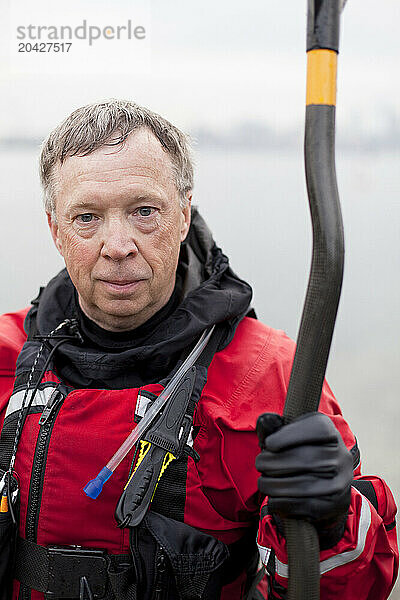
<point x="326" y="274"/>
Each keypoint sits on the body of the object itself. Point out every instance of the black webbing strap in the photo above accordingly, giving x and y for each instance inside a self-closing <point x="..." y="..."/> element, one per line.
<point x="207" y="355"/>
<point x="59" y="571"/>
<point x="205" y="359"/>
<point x="170" y="496"/>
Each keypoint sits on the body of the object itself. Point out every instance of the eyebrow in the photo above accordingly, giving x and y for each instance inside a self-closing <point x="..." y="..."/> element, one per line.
<point x="96" y="203"/>
<point x="148" y="198"/>
<point x="83" y="204"/>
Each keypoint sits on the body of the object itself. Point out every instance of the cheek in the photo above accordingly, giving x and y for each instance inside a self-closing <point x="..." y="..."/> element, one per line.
<point x="167" y="245"/>
<point x="79" y="254"/>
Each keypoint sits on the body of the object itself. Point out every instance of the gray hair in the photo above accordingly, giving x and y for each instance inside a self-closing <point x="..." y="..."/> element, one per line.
<point x="109" y="123"/>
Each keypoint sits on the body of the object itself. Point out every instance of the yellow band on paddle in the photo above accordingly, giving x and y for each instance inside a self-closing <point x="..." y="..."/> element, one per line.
<point x="321" y="77"/>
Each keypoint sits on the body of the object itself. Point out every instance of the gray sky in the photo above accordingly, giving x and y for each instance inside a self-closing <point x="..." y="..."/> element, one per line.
<point x="208" y="63"/>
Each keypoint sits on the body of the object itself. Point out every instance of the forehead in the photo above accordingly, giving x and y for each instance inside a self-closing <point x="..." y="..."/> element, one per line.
<point x="139" y="160"/>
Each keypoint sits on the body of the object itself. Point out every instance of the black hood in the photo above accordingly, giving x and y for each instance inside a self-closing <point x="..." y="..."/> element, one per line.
<point x="207" y="292"/>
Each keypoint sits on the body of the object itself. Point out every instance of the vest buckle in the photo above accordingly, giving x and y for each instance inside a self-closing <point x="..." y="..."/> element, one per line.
<point x="76" y="573"/>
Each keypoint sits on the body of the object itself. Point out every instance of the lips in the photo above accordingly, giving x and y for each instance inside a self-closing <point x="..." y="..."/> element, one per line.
<point x="121" y="281"/>
<point x="121" y="285"/>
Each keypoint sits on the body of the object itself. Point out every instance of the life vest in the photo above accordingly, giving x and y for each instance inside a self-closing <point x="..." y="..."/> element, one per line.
<point x="68" y="545"/>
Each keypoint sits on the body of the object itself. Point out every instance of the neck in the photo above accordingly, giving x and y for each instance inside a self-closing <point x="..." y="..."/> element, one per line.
<point x="123" y="323"/>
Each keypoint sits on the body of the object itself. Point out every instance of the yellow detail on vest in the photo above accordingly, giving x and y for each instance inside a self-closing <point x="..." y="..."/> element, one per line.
<point x="144" y="448"/>
<point x="4" y="504"/>
<point x="321" y="77"/>
<point x="168" y="458"/>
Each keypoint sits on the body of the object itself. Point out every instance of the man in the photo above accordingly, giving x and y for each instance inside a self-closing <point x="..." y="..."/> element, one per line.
<point x="143" y="281"/>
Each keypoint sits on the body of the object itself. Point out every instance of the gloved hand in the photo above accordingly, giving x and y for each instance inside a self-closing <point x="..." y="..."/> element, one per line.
<point x="306" y="469"/>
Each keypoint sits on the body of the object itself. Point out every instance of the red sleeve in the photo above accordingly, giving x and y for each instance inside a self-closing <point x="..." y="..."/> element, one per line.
<point x="364" y="564"/>
<point x="256" y="370"/>
<point x="12" y="338"/>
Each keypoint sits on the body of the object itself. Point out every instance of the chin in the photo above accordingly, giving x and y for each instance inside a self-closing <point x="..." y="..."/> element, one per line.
<point x="123" y="309"/>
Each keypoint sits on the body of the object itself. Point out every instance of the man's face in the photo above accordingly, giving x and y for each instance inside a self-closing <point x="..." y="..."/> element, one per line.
<point x="119" y="228"/>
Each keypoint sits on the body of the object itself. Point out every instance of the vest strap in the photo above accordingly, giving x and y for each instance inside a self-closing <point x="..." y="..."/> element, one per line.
<point x="69" y="572"/>
<point x="77" y="573"/>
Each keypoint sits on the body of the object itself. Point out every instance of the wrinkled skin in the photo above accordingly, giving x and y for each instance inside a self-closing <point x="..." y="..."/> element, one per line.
<point x="119" y="226"/>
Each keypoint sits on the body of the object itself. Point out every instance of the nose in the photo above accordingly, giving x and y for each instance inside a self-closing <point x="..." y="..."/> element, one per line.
<point x="118" y="242"/>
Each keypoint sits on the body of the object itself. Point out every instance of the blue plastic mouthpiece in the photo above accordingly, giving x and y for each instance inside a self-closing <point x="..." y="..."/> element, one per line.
<point x="93" y="488"/>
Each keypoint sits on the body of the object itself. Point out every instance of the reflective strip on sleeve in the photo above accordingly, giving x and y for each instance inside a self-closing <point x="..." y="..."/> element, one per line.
<point x="142" y="404"/>
<point x="339" y="560"/>
<point x="41" y="399"/>
<point x="189" y="441"/>
<point x="264" y="554"/>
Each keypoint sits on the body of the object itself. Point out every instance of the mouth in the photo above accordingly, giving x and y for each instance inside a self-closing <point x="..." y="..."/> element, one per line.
<point x="121" y="285"/>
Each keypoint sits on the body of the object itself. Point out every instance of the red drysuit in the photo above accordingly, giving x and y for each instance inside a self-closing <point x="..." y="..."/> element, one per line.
<point x="248" y="377"/>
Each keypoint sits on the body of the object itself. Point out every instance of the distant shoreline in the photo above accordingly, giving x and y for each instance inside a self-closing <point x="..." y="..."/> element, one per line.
<point x="253" y="137"/>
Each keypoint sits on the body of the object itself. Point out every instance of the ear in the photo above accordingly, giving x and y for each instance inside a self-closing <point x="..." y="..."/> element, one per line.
<point x="54" y="232"/>
<point x="185" y="222"/>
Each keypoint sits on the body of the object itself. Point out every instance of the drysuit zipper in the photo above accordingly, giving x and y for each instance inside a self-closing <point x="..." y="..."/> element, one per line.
<point x="39" y="463"/>
<point x="46" y="425"/>
<point x="50" y="407"/>
<point x="38" y="469"/>
<point x="160" y="581"/>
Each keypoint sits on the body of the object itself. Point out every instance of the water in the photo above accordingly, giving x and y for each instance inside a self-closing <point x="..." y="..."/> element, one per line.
<point x="256" y="207"/>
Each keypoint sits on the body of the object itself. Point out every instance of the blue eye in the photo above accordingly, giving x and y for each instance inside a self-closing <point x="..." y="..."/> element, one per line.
<point x="145" y="211"/>
<point x="86" y="218"/>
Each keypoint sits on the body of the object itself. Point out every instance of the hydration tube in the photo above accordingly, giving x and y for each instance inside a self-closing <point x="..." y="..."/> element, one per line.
<point x="93" y="488"/>
<point x="325" y="281"/>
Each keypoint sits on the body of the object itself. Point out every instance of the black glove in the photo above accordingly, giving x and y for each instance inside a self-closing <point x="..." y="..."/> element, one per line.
<point x="306" y="469"/>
